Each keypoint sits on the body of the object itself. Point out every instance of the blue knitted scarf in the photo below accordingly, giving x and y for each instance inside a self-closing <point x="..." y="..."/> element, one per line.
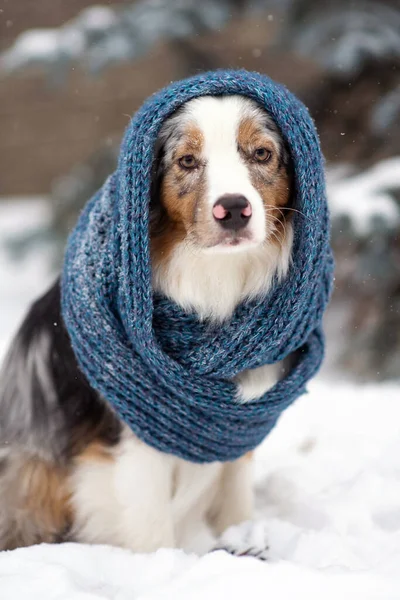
<point x="168" y="375"/>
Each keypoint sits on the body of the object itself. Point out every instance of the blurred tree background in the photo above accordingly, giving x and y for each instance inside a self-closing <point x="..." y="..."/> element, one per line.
<point x="72" y="73"/>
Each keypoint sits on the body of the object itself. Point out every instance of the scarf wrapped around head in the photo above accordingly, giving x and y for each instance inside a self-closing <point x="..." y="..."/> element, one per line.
<point x="168" y="375"/>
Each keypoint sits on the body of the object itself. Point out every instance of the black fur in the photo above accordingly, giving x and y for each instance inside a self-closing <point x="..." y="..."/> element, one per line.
<point x="54" y="411"/>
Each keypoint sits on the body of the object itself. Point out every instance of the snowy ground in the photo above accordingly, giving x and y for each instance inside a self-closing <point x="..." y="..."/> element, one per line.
<point x="328" y="497"/>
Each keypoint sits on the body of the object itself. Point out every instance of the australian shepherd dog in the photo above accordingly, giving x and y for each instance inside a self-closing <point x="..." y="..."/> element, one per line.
<point x="221" y="232"/>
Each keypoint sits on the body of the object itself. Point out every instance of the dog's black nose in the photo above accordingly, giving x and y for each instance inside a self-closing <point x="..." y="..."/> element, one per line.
<point x="232" y="211"/>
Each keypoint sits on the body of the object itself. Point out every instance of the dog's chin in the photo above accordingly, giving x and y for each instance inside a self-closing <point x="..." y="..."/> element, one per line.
<point x="232" y="243"/>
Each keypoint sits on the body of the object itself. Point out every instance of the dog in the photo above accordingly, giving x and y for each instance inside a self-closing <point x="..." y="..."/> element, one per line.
<point x="220" y="233"/>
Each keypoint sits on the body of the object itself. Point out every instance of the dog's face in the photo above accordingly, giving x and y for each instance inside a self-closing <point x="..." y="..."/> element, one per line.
<point x="223" y="177"/>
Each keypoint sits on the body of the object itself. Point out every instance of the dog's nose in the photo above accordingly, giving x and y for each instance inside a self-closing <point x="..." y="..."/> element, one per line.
<point x="232" y="211"/>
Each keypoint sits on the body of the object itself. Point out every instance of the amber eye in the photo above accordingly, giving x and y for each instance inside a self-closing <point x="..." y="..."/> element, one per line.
<point x="262" y="155"/>
<point x="188" y="161"/>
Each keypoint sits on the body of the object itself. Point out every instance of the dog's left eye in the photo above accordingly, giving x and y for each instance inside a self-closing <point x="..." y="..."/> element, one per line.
<point x="262" y="154"/>
<point x="188" y="161"/>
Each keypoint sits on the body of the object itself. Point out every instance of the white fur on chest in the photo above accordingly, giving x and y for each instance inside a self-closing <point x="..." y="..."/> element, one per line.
<point x="253" y="383"/>
<point x="213" y="284"/>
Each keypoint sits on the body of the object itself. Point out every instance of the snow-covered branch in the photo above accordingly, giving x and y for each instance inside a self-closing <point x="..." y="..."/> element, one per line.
<point x="366" y="199"/>
<point x="100" y="35"/>
<point x="343" y="37"/>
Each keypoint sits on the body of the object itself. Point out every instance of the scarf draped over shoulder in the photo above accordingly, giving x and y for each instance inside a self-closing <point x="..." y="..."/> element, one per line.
<point x="168" y="375"/>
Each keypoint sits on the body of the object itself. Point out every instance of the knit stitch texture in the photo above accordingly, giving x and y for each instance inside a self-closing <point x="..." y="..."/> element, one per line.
<point x="168" y="375"/>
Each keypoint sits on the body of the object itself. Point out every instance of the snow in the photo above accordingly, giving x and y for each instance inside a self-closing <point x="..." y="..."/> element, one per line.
<point x="327" y="489"/>
<point x="341" y="41"/>
<point x="100" y="35"/>
<point x="38" y="42"/>
<point x="77" y="572"/>
<point x="365" y="198"/>
<point x="97" y="18"/>
<point x="37" y="46"/>
<point x="21" y="281"/>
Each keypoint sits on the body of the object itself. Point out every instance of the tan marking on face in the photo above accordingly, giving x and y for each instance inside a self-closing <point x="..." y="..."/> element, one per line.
<point x="271" y="179"/>
<point x="181" y="191"/>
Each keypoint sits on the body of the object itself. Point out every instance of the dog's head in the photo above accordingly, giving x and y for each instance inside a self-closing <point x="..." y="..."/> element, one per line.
<point x="220" y="226"/>
<point x="222" y="176"/>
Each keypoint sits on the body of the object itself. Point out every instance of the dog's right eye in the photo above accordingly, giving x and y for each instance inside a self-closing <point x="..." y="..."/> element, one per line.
<point x="262" y="155"/>
<point x="188" y="161"/>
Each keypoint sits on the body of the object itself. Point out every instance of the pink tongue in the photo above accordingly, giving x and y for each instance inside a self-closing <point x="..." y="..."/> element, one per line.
<point x="219" y="211"/>
<point x="246" y="212"/>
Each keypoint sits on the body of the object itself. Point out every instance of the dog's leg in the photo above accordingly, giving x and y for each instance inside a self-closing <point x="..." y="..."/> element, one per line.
<point x="247" y="539"/>
<point x="234" y="502"/>
<point x="124" y="498"/>
<point x="239" y="535"/>
<point x="236" y="493"/>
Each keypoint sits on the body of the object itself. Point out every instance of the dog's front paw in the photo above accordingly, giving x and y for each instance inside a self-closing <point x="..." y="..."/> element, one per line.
<point x="246" y="539"/>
